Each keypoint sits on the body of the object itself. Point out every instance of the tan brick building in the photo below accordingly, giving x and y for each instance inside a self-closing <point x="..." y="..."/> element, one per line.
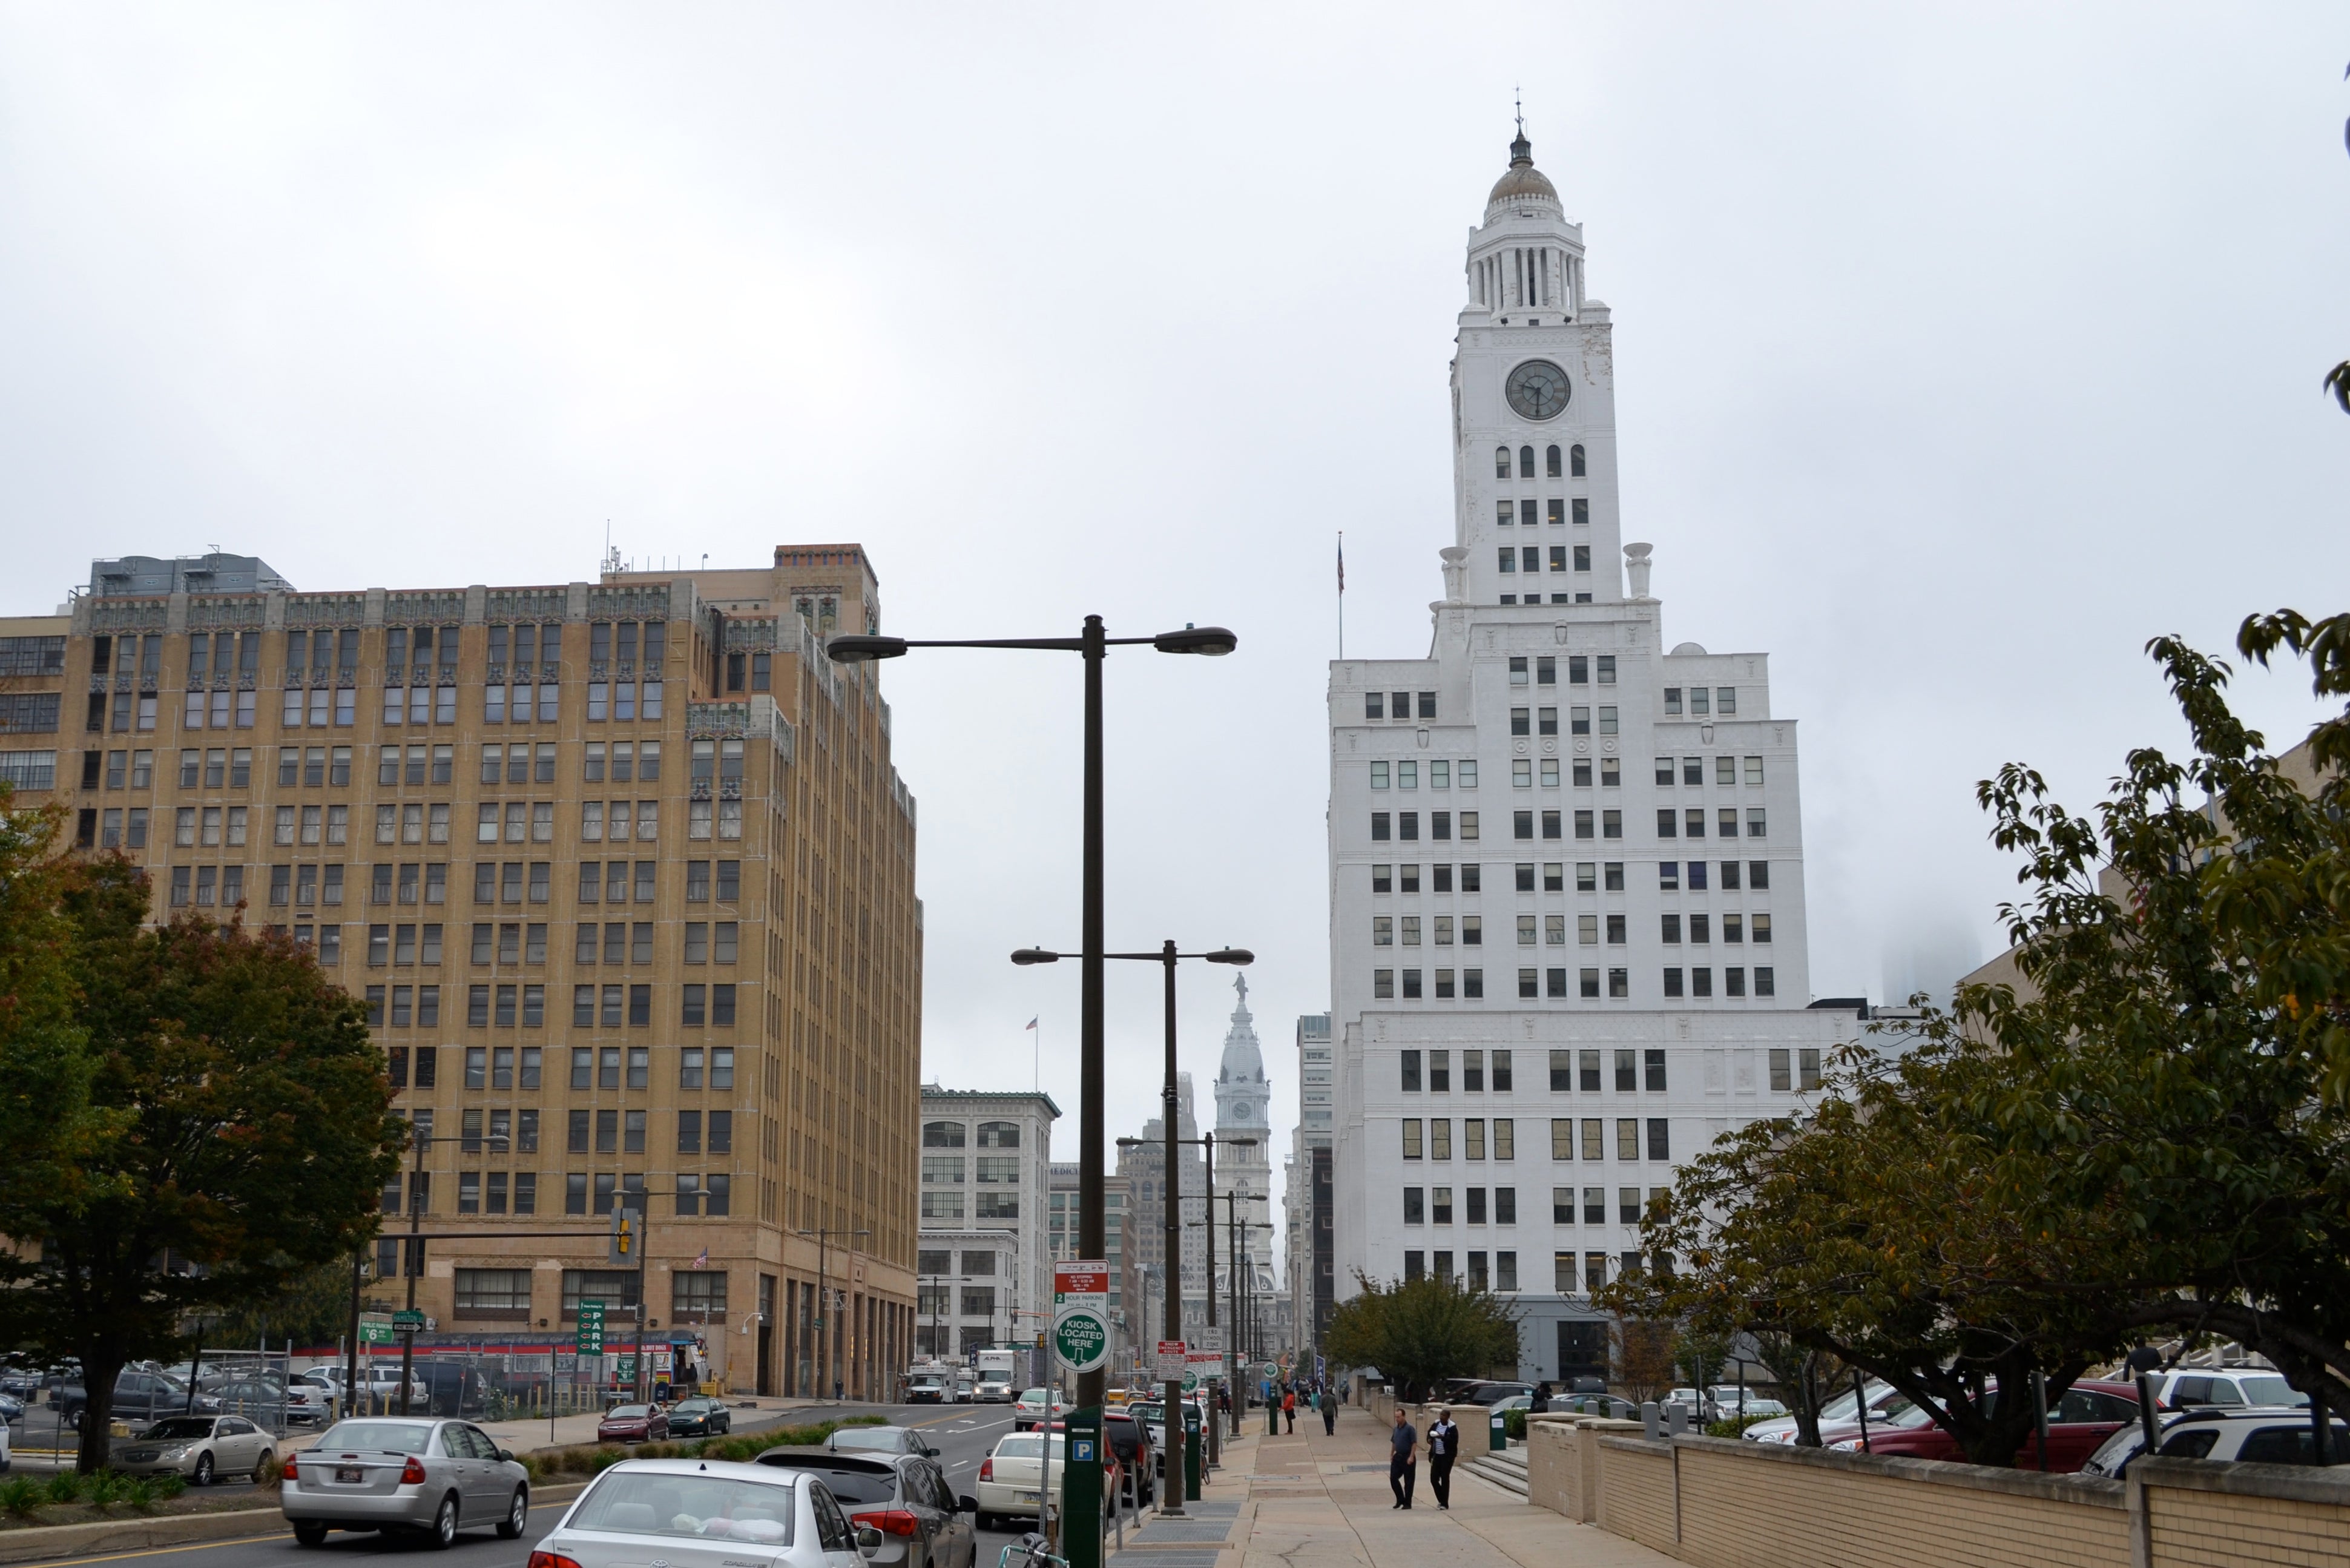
<point x="625" y="874"/>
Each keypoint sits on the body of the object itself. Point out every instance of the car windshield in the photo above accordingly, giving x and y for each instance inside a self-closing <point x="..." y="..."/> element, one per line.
<point x="885" y="1438"/>
<point x="2272" y="1390"/>
<point x="626" y="1413"/>
<point x="1033" y="1396"/>
<point x="713" y="1507"/>
<point x="1028" y="1446"/>
<point x="380" y="1437"/>
<point x="695" y="1407"/>
<point x="179" y="1427"/>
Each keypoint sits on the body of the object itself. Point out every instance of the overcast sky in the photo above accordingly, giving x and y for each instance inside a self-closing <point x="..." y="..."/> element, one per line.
<point x="1959" y="350"/>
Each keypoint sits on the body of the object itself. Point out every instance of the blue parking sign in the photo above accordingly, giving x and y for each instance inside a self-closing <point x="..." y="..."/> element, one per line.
<point x="1082" y="1451"/>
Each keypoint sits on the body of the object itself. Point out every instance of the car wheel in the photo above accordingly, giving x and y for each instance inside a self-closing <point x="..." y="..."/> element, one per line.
<point x="517" y="1515"/>
<point x="444" y="1525"/>
<point x="73" y="1420"/>
<point x="310" y="1532"/>
<point x="261" y="1471"/>
<point x="203" y="1476"/>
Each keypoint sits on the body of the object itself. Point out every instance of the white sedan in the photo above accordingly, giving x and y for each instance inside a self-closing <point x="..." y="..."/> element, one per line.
<point x="1037" y="1405"/>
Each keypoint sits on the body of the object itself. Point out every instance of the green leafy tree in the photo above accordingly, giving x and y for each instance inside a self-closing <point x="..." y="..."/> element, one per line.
<point x="2149" y="1129"/>
<point x="1422" y="1332"/>
<point x="46" y="1119"/>
<point x="313" y="1308"/>
<point x="238" y="1134"/>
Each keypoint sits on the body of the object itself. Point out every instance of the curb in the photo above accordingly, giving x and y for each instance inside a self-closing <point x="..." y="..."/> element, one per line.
<point x="104" y="1536"/>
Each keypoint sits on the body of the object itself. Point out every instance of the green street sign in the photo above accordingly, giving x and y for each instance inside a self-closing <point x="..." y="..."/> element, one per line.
<point x="1190" y="1383"/>
<point x="590" y="1338"/>
<point x="1081" y="1338"/>
<point x="408" y="1321"/>
<point x="375" y="1331"/>
<point x="624" y="1368"/>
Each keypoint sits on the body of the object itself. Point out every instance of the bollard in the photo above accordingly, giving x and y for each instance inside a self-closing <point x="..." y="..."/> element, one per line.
<point x="1652" y="1422"/>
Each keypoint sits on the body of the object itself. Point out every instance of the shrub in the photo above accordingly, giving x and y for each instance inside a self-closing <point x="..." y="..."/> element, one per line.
<point x="106" y="1487"/>
<point x="603" y="1460"/>
<point x="140" y="1493"/>
<point x="172" y="1483"/>
<point x="20" y="1495"/>
<point x="65" y="1485"/>
<point x="1513" y="1425"/>
<point x="1731" y="1426"/>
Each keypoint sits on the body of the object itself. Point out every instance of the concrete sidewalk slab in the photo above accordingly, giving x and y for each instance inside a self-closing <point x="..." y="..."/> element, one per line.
<point x="1322" y="1500"/>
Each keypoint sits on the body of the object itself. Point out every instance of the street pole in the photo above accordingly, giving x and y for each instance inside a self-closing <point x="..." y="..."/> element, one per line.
<point x="1171" y="1278"/>
<point x="411" y="1263"/>
<point x="352" y="1352"/>
<point x="1092" y="1230"/>
<point x="1208" y="1213"/>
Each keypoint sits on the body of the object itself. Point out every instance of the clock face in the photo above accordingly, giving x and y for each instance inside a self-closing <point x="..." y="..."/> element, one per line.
<point x="1538" y="389"/>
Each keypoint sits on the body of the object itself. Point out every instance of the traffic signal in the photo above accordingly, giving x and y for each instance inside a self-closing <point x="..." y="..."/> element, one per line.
<point x="625" y="1238"/>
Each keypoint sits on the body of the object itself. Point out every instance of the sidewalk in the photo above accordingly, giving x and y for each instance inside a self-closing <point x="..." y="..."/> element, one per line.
<point x="1306" y="1501"/>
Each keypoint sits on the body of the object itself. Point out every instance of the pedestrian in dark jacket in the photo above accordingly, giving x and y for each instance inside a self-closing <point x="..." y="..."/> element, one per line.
<point x="1403" y="1460"/>
<point x="1329" y="1403"/>
<point x="1443" y="1447"/>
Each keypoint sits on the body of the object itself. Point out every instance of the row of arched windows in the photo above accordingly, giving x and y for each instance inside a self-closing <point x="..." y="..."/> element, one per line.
<point x="1526" y="462"/>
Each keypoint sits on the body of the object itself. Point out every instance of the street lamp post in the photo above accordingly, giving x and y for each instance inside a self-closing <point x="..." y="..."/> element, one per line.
<point x="1167" y="956"/>
<point x="1093" y="645"/>
<point x="822" y="1240"/>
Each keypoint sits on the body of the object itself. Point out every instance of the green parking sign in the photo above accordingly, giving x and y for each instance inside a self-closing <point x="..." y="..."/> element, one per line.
<point x="590" y="1338"/>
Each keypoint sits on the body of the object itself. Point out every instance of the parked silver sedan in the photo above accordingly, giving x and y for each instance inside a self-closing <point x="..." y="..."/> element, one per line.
<point x="200" y="1447"/>
<point x="391" y="1473"/>
<point x="693" y="1513"/>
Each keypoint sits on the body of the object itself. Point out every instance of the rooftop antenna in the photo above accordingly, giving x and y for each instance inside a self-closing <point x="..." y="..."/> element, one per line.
<point x="1518" y="96"/>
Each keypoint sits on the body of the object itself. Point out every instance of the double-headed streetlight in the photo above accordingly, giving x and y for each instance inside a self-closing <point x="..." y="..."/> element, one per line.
<point x="1093" y="644"/>
<point x="1167" y="957"/>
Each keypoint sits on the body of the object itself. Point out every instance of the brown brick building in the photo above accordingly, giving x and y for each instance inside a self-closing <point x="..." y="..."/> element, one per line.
<point x="624" y="873"/>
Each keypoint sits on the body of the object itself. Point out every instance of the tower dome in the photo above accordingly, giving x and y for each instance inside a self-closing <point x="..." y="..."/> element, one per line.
<point x="1521" y="182"/>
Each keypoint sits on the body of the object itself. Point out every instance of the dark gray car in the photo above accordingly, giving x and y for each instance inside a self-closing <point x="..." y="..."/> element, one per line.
<point x="906" y="1497"/>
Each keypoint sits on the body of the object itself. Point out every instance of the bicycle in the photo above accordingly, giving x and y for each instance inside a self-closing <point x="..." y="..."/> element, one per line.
<point x="1029" y="1551"/>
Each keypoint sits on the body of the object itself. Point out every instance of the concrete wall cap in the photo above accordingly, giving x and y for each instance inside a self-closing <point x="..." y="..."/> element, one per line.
<point x="2296" y="1483"/>
<point x="2096" y="1491"/>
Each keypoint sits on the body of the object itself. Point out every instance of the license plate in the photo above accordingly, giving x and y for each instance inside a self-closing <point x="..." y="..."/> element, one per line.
<point x="1026" y="1496"/>
<point x="350" y="1473"/>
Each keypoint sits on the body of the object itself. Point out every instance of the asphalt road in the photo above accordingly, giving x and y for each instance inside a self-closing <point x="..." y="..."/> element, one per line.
<point x="964" y="1435"/>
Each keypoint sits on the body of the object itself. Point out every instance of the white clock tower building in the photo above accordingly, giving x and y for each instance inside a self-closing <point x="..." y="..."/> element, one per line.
<point x="1567" y="933"/>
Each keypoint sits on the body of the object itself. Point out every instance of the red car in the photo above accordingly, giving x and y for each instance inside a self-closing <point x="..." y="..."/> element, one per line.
<point x="633" y="1424"/>
<point x="2090" y="1411"/>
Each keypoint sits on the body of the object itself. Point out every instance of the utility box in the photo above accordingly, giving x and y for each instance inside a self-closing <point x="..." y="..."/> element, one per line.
<point x="1194" y="1451"/>
<point x="1500" y="1433"/>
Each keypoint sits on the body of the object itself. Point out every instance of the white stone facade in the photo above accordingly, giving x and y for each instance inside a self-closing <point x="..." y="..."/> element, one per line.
<point x="1567" y="875"/>
<point x="986" y="1163"/>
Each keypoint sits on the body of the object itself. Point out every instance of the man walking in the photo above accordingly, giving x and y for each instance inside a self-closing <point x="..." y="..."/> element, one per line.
<point x="1403" y="1460"/>
<point x="1329" y="1412"/>
<point x="1443" y="1447"/>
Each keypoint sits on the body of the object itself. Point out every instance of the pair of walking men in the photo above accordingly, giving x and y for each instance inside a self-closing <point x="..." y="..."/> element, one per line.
<point x="1443" y="1447"/>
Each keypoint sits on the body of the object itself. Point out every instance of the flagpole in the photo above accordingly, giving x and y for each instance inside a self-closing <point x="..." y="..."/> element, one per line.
<point x="1342" y="593"/>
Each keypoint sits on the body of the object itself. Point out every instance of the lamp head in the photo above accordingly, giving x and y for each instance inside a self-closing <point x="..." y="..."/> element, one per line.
<point x="1035" y="955"/>
<point x="859" y="648"/>
<point x="1241" y="956"/>
<point x="1211" y="640"/>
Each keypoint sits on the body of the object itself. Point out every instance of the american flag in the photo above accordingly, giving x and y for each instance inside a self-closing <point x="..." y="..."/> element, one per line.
<point x="703" y="1262"/>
